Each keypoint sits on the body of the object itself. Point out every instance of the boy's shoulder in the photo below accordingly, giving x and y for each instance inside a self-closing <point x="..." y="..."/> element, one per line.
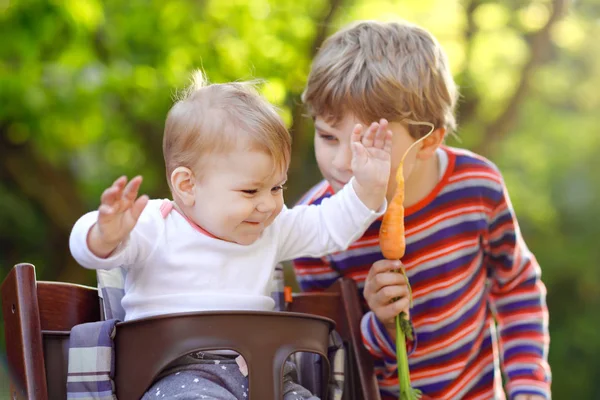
<point x="317" y="193"/>
<point x="466" y="162"/>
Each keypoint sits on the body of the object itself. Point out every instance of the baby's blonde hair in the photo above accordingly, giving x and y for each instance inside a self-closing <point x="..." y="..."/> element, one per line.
<point x="217" y="118"/>
<point x="374" y="70"/>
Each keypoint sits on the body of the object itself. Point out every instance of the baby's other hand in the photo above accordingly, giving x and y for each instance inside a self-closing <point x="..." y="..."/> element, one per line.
<point x="119" y="211"/>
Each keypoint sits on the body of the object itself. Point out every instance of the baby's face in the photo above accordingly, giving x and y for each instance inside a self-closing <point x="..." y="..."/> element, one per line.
<point x="239" y="195"/>
<point x="334" y="155"/>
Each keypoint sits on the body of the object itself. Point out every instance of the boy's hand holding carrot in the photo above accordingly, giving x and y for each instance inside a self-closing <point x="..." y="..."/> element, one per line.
<point x="119" y="211"/>
<point x="382" y="286"/>
<point x="371" y="158"/>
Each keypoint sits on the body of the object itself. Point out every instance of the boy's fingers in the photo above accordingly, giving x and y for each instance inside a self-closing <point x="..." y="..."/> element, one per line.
<point x="388" y="279"/>
<point x="387" y="294"/>
<point x="390" y="311"/>
<point x="385" y="266"/>
<point x="401" y="305"/>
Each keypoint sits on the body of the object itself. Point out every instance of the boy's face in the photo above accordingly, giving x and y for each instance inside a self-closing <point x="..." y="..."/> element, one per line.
<point x="334" y="156"/>
<point x="239" y="195"/>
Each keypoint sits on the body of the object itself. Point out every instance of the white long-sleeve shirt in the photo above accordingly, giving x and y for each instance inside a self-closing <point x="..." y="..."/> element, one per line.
<point x="172" y="266"/>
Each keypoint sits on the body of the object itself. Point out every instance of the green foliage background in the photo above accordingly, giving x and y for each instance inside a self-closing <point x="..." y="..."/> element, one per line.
<point x="85" y="86"/>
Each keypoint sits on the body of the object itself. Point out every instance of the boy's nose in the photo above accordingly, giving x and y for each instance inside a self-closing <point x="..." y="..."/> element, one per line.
<point x="343" y="159"/>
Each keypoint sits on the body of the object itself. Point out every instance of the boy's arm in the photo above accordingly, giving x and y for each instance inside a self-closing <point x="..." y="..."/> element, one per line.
<point x="518" y="298"/>
<point x="314" y="274"/>
<point x="382" y="344"/>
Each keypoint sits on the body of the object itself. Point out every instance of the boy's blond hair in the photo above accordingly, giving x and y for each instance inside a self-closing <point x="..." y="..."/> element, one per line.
<point x="374" y="70"/>
<point x="217" y="118"/>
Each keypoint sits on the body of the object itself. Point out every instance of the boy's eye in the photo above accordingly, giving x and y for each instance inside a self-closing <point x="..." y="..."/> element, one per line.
<point x="326" y="137"/>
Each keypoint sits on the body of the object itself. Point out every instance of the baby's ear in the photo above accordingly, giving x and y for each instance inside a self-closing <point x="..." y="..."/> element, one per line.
<point x="184" y="184"/>
<point x="432" y="143"/>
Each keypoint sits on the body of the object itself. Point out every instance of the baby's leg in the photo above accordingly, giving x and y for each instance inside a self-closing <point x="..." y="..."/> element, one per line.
<point x="291" y="389"/>
<point x="188" y="385"/>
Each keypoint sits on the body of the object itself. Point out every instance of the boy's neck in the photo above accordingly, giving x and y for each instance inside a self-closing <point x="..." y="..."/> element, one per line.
<point x="422" y="180"/>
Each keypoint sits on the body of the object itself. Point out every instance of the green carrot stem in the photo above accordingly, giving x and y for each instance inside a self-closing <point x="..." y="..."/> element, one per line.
<point x="402" y="360"/>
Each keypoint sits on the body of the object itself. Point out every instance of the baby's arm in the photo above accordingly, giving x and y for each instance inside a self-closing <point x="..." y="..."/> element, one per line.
<point x="338" y="221"/>
<point x="316" y="230"/>
<point x="102" y="239"/>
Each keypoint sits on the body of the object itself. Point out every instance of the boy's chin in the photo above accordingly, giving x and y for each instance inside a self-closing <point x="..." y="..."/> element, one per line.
<point x="336" y="185"/>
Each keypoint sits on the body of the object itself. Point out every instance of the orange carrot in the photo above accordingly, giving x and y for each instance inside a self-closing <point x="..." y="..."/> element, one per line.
<point x="391" y="232"/>
<point x="393" y="246"/>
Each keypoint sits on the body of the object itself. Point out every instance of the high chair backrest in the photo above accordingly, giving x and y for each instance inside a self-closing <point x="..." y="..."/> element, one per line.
<point x="341" y="303"/>
<point x="39" y="315"/>
<point x="37" y="319"/>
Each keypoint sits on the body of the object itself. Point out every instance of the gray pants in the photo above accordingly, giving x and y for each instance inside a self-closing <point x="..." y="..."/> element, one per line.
<point x="215" y="377"/>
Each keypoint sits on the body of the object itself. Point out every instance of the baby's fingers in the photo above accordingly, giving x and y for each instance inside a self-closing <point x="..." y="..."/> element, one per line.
<point x="113" y="193"/>
<point x="138" y="207"/>
<point x="369" y="136"/>
<point x="131" y="190"/>
<point x="381" y="134"/>
<point x="356" y="134"/>
<point x="106" y="214"/>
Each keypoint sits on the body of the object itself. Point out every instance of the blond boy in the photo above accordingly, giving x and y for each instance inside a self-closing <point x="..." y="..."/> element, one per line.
<point x="479" y="302"/>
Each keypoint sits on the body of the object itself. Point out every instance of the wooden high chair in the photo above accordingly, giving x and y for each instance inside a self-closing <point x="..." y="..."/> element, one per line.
<point x="38" y="317"/>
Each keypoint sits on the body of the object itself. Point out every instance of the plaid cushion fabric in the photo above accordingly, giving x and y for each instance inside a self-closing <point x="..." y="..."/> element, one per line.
<point x="91" y="361"/>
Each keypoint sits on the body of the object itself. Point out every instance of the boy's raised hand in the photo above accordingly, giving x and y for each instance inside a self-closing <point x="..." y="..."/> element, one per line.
<point x="371" y="162"/>
<point x="119" y="210"/>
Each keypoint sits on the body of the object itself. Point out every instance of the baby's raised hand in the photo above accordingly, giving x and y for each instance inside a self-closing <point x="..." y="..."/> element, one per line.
<point x="119" y="210"/>
<point x="371" y="162"/>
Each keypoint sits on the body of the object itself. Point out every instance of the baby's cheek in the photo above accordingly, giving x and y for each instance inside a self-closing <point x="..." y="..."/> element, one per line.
<point x="276" y="212"/>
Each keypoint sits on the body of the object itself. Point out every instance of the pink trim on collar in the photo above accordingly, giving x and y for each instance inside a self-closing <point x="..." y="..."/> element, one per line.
<point x="167" y="206"/>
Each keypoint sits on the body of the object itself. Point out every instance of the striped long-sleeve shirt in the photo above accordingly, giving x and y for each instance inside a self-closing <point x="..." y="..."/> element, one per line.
<point x="479" y="303"/>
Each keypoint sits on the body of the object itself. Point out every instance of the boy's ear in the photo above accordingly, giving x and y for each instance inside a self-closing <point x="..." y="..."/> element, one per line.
<point x="183" y="182"/>
<point x="431" y="144"/>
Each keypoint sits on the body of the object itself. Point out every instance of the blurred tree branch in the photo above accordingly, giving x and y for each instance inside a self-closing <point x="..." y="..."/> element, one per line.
<point x="53" y="189"/>
<point x="540" y="46"/>
<point x="471" y="99"/>
<point x="298" y="128"/>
